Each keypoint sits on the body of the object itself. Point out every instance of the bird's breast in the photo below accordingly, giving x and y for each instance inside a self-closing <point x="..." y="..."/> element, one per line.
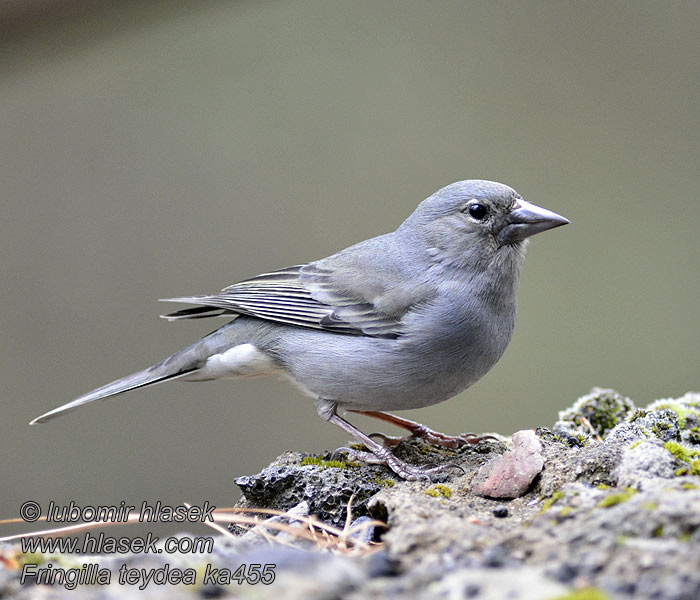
<point x="458" y="341"/>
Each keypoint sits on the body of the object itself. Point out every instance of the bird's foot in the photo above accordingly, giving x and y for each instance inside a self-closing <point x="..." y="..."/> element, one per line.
<point x="377" y="454"/>
<point x="421" y="431"/>
<point x="435" y="438"/>
<point x="450" y="441"/>
<point x="398" y="466"/>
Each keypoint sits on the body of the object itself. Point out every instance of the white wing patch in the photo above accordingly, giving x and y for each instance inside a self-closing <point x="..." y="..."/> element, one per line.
<point x="244" y="360"/>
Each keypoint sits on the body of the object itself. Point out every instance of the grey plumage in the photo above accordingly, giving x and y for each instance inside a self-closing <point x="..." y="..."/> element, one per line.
<point x="402" y="320"/>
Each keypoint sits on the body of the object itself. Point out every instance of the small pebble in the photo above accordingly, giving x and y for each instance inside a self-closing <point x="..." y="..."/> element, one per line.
<point x="511" y="474"/>
<point x="211" y="591"/>
<point x="501" y="512"/>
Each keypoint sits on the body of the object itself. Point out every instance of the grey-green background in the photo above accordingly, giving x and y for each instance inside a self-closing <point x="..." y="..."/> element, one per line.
<point x="165" y="148"/>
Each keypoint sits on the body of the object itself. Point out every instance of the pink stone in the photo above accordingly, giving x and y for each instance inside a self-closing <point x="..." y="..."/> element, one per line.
<point x="510" y="475"/>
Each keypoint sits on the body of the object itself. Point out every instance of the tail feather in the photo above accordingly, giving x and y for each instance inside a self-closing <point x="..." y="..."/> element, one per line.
<point x="182" y="363"/>
<point x="149" y="376"/>
<point x="198" y="312"/>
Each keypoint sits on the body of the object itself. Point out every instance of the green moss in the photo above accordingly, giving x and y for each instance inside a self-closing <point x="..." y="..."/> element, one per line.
<point x="633" y="446"/>
<point x="571" y="439"/>
<point x="681" y="452"/>
<point x="388" y="482"/>
<point x="326" y="464"/>
<point x="551" y="500"/>
<point x="31" y="558"/>
<point x="640" y="413"/>
<point x="602" y="408"/>
<point x="689" y="486"/>
<point x="426" y="449"/>
<point x="603" y="486"/>
<point x="579" y="440"/>
<point x="650" y="506"/>
<point x="658" y="531"/>
<point x="685" y="537"/>
<point x="659" y="428"/>
<point x="567" y="511"/>
<point x="606" y="412"/>
<point x="588" y="593"/>
<point x="618" y="498"/>
<point x="695" y="467"/>
<point x="438" y="490"/>
<point x="681" y="471"/>
<point x="694" y="435"/>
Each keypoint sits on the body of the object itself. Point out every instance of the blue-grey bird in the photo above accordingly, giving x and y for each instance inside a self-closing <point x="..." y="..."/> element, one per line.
<point x="402" y="320"/>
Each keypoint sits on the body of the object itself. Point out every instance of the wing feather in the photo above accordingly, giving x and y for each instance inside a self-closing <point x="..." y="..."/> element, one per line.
<point x="346" y="293"/>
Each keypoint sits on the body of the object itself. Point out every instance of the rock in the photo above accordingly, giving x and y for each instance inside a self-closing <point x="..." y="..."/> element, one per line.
<point x="510" y="475"/>
<point x="602" y="409"/>
<point x="613" y="513"/>
<point x="326" y="486"/>
<point x="642" y="463"/>
<point x="514" y="584"/>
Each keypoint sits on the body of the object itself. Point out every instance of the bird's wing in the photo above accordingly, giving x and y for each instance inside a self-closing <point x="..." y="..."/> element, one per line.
<point x="341" y="293"/>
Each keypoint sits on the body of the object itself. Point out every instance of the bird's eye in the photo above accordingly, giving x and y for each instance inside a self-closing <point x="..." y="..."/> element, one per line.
<point x="478" y="211"/>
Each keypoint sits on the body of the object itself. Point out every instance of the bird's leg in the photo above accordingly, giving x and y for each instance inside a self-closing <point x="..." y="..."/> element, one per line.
<point x="421" y="431"/>
<point x="378" y="454"/>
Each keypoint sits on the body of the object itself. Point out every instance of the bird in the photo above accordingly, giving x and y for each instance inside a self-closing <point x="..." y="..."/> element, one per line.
<point x="403" y="320"/>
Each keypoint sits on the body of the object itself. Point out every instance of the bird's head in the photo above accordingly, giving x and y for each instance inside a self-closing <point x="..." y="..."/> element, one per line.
<point x="470" y="222"/>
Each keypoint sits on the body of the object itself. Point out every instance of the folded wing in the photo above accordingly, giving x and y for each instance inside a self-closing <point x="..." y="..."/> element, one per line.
<point x="354" y="293"/>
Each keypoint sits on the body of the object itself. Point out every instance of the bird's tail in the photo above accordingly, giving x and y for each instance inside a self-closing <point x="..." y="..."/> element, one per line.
<point x="149" y="376"/>
<point x="182" y="363"/>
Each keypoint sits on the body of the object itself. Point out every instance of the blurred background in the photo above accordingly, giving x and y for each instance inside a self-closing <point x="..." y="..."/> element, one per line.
<point x="154" y="149"/>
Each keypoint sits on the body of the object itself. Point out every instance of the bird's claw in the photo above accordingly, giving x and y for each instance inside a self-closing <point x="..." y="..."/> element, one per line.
<point x="473" y="438"/>
<point x="439" y="469"/>
<point x="449" y="441"/>
<point x="435" y="438"/>
<point x="401" y="468"/>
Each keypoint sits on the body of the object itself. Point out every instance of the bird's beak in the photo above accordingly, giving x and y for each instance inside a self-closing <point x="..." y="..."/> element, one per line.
<point x="526" y="220"/>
